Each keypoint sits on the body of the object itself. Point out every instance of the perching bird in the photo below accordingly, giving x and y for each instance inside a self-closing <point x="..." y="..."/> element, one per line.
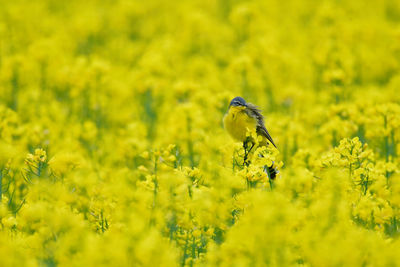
<point x="242" y="117"/>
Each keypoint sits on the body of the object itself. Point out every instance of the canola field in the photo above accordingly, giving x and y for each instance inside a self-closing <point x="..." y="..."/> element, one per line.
<point x="113" y="151"/>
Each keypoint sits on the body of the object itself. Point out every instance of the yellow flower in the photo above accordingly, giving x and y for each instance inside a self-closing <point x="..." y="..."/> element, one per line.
<point x="65" y="162"/>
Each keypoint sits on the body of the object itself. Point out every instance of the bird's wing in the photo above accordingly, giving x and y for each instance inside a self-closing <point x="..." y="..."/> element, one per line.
<point x="263" y="131"/>
<point x="254" y="112"/>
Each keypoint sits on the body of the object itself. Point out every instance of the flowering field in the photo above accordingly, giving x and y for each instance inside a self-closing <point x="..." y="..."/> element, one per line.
<point x="113" y="152"/>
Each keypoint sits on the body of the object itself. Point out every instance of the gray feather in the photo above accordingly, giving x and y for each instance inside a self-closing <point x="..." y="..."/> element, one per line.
<point x="254" y="112"/>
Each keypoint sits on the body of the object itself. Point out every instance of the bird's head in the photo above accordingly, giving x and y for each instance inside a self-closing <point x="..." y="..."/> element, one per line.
<point x="238" y="103"/>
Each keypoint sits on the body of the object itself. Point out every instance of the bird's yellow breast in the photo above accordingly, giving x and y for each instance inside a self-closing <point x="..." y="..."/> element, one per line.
<point x="237" y="122"/>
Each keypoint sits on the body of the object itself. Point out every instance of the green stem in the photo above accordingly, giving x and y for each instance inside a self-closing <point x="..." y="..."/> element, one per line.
<point x="193" y="250"/>
<point x="185" y="249"/>
<point x="1" y="184"/>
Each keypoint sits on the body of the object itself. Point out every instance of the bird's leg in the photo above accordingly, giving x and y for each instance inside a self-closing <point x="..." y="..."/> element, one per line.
<point x="245" y="163"/>
<point x="247" y="151"/>
<point x="252" y="145"/>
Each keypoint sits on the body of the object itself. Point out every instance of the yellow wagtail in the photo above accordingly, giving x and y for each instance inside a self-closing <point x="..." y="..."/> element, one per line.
<point x="241" y="118"/>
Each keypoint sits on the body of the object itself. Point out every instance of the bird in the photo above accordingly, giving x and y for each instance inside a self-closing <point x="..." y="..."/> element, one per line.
<point x="242" y="117"/>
